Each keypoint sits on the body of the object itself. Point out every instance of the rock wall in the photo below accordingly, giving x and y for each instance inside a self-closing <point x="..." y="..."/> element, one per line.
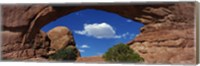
<point x="18" y="22"/>
<point x="168" y="38"/>
<point x="167" y="35"/>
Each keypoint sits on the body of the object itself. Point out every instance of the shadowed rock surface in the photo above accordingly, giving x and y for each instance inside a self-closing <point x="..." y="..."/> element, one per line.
<point x="167" y="36"/>
<point x="34" y="48"/>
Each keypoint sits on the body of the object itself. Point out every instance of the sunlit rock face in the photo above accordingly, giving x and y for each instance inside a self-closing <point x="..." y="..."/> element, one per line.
<point x="61" y="37"/>
<point x="167" y="35"/>
<point x="168" y="38"/>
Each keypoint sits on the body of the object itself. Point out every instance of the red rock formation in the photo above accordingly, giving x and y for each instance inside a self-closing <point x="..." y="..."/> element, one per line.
<point x="167" y="37"/>
<point x="92" y="59"/>
<point x="61" y="37"/>
<point x="34" y="48"/>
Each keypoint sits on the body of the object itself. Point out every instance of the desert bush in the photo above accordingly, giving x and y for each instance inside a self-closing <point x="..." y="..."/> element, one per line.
<point x="66" y="54"/>
<point x="122" y="53"/>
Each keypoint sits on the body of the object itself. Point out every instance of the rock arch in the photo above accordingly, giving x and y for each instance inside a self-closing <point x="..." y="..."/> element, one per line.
<point x="22" y="23"/>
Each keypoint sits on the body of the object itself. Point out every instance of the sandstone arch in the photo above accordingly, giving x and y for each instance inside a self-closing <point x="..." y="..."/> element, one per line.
<point x="173" y="22"/>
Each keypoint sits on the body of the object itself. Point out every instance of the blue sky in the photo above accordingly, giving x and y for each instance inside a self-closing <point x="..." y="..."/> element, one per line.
<point x="95" y="31"/>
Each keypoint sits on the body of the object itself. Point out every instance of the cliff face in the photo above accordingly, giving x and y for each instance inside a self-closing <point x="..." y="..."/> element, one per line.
<point x="168" y="38"/>
<point x="167" y="35"/>
<point x="18" y="22"/>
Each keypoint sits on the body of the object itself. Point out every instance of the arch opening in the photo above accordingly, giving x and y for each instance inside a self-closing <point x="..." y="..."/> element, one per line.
<point x="95" y="31"/>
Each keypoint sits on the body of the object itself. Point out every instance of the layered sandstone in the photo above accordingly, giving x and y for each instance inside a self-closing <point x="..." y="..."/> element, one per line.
<point x="169" y="38"/>
<point x="16" y="51"/>
<point x="167" y="35"/>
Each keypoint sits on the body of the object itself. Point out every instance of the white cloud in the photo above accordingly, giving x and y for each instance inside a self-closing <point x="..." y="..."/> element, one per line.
<point x="101" y="30"/>
<point x="98" y="30"/>
<point x="125" y="34"/>
<point x="80" y="50"/>
<point x="128" y="20"/>
<point x="132" y="35"/>
<point x="85" y="46"/>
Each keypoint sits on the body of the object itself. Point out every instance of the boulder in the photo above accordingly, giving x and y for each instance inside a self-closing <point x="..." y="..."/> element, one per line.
<point x="60" y="37"/>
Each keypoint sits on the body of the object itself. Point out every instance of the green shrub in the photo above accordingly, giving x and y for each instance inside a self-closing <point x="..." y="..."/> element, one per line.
<point x="121" y="53"/>
<point x="66" y="54"/>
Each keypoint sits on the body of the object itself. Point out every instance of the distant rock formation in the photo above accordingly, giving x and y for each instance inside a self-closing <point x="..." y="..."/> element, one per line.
<point x="92" y="59"/>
